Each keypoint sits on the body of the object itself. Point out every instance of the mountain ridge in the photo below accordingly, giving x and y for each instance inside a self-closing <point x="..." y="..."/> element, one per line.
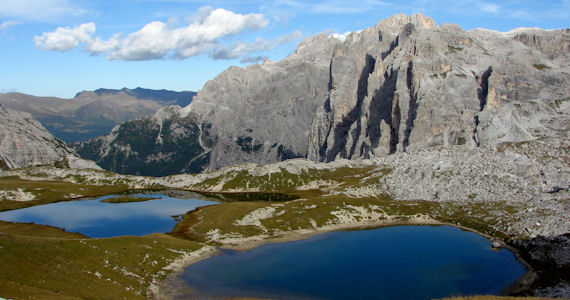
<point x="93" y="113"/>
<point x="403" y="84"/>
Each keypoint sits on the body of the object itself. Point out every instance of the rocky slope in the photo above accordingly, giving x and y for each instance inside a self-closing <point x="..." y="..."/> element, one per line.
<point x="90" y="114"/>
<point x="404" y="84"/>
<point x="24" y="142"/>
<point x="158" y="145"/>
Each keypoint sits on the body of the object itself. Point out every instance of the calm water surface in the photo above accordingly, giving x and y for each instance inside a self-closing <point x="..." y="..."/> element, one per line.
<point x="94" y="218"/>
<point x="402" y="262"/>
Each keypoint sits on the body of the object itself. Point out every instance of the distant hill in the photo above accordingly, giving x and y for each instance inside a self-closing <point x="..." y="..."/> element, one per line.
<point x="93" y="113"/>
<point x="163" y="96"/>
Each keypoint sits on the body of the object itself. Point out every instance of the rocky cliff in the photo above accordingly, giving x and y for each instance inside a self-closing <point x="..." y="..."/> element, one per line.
<point x="24" y="142"/>
<point x="93" y="113"/>
<point x="403" y="84"/>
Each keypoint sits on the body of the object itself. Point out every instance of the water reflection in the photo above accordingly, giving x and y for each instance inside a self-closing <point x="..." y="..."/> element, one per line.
<point x="94" y="218"/>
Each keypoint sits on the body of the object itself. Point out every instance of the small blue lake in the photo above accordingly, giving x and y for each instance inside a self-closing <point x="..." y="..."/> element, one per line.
<point x="97" y="219"/>
<point x="401" y="262"/>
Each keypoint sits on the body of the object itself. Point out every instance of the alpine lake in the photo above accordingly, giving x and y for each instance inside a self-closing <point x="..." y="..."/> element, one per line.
<point x="397" y="262"/>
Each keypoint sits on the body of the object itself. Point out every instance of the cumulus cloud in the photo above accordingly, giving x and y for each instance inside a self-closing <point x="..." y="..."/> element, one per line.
<point x="39" y="10"/>
<point x="203" y="34"/>
<point x="63" y="39"/>
<point x="159" y="40"/>
<point x="7" y="24"/>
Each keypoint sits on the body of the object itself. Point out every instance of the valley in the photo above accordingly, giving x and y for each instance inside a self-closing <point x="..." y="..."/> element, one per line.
<point x="403" y="123"/>
<point x="332" y="196"/>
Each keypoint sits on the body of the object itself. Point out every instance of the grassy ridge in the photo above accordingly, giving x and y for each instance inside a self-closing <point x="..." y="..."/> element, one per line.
<point x="285" y="181"/>
<point x="320" y="210"/>
<point x="50" y="263"/>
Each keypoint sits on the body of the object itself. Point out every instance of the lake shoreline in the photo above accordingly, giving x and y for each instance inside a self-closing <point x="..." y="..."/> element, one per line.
<point x="174" y="285"/>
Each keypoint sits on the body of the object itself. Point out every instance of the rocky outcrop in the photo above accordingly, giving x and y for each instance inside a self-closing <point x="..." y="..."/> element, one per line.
<point x="93" y="113"/>
<point x="168" y="142"/>
<point x="402" y="85"/>
<point x="25" y="142"/>
<point x="263" y="113"/>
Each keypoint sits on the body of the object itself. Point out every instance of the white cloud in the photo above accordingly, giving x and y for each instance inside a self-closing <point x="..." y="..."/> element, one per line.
<point x="159" y="40"/>
<point x="245" y="49"/>
<point x="63" y="39"/>
<point x="7" y="24"/>
<point x="489" y="7"/>
<point x="39" y="10"/>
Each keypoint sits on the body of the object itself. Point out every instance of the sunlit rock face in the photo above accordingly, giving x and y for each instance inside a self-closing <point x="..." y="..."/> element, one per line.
<point x="24" y="142"/>
<point x="402" y="85"/>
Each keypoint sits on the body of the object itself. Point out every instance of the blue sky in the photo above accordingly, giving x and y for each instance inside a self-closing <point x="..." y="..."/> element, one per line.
<point x="61" y="47"/>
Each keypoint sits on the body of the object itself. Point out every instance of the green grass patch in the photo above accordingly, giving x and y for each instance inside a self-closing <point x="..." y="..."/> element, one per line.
<point x="222" y="217"/>
<point x="62" y="265"/>
<point x="541" y="67"/>
<point x="52" y="191"/>
<point x="286" y="182"/>
<point x="30" y="229"/>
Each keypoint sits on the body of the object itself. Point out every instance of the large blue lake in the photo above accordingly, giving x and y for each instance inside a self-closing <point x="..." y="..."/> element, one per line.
<point x="94" y="218"/>
<point x="402" y="262"/>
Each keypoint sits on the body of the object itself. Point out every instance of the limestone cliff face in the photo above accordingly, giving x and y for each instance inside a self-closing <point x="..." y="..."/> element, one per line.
<point x="264" y="113"/>
<point x="404" y="84"/>
<point x="25" y="142"/>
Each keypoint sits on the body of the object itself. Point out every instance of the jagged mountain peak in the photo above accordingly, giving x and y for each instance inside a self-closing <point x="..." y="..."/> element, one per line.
<point x="401" y="85"/>
<point x="396" y="22"/>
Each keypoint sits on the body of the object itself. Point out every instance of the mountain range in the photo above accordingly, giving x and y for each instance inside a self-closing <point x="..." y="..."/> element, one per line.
<point x="93" y="113"/>
<point x="402" y="85"/>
